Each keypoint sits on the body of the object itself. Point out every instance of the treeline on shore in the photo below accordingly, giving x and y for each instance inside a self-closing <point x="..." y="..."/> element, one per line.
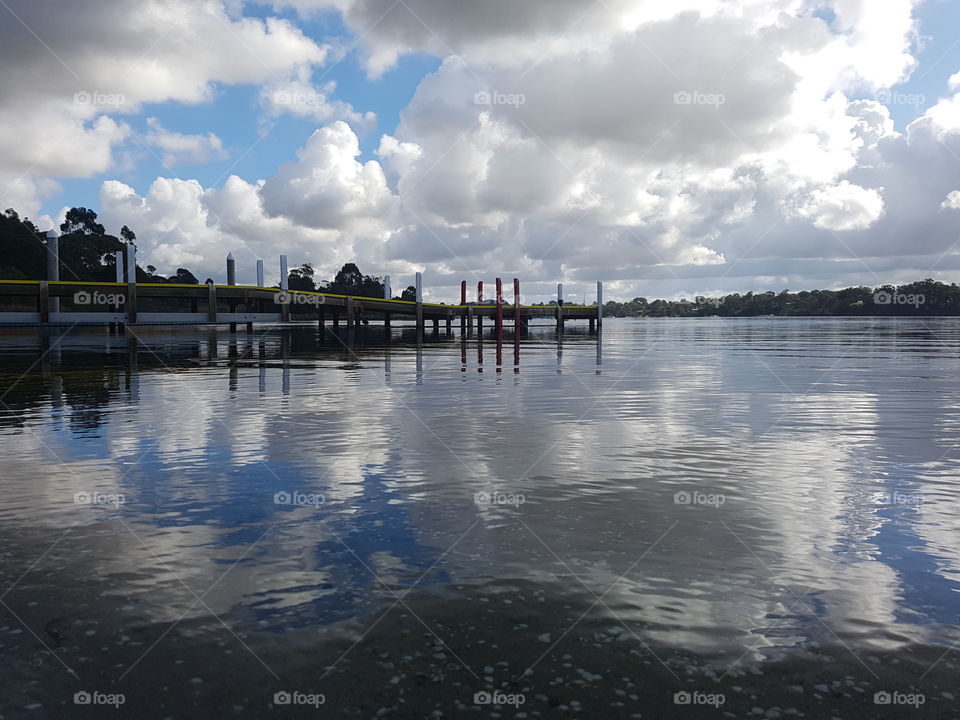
<point x="86" y="254"/>
<point x="925" y="297"/>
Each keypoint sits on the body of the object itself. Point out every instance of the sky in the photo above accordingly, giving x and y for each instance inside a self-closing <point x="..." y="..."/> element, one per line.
<point x="698" y="147"/>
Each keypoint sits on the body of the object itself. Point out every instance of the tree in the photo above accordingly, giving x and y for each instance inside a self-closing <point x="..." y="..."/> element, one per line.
<point x="184" y="277"/>
<point x="127" y="235"/>
<point x="301" y="278"/>
<point x="409" y="294"/>
<point x="349" y="276"/>
<point x="88" y="257"/>
<point x="22" y="254"/>
<point x="350" y="281"/>
<point x="81" y="220"/>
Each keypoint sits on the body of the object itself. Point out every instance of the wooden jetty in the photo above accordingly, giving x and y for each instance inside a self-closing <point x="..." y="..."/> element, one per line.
<point x="126" y="302"/>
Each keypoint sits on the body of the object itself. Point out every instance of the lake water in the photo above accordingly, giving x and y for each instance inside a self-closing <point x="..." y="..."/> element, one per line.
<point x="679" y="518"/>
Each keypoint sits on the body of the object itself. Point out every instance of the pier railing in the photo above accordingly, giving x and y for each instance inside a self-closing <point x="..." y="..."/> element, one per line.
<point x="127" y="302"/>
<point x="58" y="302"/>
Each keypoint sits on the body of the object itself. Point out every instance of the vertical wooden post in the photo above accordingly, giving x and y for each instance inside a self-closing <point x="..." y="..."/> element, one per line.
<point x="419" y="288"/>
<point x="599" y="304"/>
<point x="211" y="302"/>
<point x="336" y="319"/>
<point x="53" y="267"/>
<point x="349" y="312"/>
<point x="463" y="302"/>
<point x="449" y="324"/>
<point x="559" y="307"/>
<point x="436" y="325"/>
<point x="44" y="301"/>
<point x="387" y="295"/>
<point x="479" y="304"/>
<point x="118" y="275"/>
<point x="284" y="287"/>
<point x="517" y="320"/>
<point x="499" y="309"/>
<point x="469" y="319"/>
<point x="260" y="279"/>
<point x="232" y="280"/>
<point x="131" y="283"/>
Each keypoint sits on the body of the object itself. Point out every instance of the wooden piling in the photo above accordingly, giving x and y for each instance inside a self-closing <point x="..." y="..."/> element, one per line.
<point x="418" y="283"/>
<point x="499" y="319"/>
<point x="599" y="304"/>
<point x="479" y="304"/>
<point x="44" y="301"/>
<point x="463" y="302"/>
<point x="131" y="284"/>
<point x="517" y="320"/>
<point x="211" y="302"/>
<point x="559" y="307"/>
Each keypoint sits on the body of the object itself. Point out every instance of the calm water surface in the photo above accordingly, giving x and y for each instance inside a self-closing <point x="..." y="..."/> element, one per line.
<point x="199" y="520"/>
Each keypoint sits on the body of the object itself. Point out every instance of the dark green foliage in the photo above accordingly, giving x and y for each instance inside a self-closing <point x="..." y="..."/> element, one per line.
<point x="301" y="278"/>
<point x="89" y="257"/>
<point x="22" y="252"/>
<point x="409" y="294"/>
<point x="183" y="276"/>
<point x="350" y="281"/>
<point x="937" y="299"/>
<point x="81" y="220"/>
